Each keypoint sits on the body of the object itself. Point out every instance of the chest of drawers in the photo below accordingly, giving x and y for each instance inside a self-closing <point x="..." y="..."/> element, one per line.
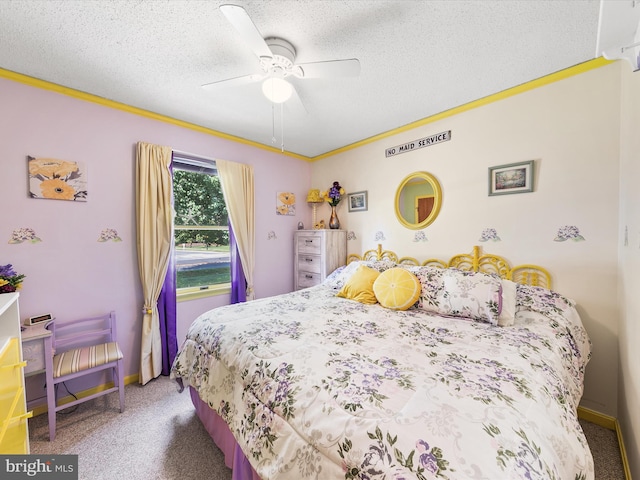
<point x="317" y="254"/>
<point x="14" y="428"/>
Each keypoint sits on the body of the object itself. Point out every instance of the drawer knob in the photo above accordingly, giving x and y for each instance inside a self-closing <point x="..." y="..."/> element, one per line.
<point x="308" y="259"/>
<point x="308" y="241"/>
<point x="308" y="276"/>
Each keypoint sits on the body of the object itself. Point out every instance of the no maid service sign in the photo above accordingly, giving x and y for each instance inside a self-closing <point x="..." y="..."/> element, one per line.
<point x="420" y="143"/>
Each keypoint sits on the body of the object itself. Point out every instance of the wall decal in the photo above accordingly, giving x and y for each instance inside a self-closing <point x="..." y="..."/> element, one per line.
<point x="20" y="235"/>
<point x="351" y="235"/>
<point x="420" y="237"/>
<point x="271" y="235"/>
<point x="109" y="234"/>
<point x="568" y="232"/>
<point x="286" y="203"/>
<point x="379" y="237"/>
<point x="489" y="234"/>
<point x="57" y="179"/>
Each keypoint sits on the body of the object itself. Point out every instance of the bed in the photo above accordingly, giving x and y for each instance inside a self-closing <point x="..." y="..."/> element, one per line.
<point x="476" y="373"/>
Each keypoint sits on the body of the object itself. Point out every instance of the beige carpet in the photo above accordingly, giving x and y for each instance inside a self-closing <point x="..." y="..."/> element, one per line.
<point x="159" y="437"/>
<point x="605" y="450"/>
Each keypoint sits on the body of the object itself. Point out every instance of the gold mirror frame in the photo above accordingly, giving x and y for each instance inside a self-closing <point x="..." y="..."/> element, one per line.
<point x="437" y="199"/>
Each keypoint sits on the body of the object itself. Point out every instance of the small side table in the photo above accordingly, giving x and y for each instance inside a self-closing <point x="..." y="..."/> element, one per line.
<point x="33" y="348"/>
<point x="33" y="352"/>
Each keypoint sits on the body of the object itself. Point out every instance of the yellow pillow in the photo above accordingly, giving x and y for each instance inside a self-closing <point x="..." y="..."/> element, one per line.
<point x="359" y="287"/>
<point x="397" y="289"/>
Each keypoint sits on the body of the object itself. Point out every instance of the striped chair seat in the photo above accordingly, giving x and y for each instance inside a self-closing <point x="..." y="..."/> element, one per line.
<point x="85" y="358"/>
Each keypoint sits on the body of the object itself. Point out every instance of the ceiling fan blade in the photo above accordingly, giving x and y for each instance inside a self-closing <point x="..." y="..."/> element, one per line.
<point x="234" y="82"/>
<point x="331" y="69"/>
<point x="239" y="18"/>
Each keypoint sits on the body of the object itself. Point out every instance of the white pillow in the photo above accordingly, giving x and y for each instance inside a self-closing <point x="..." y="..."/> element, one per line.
<point x="471" y="295"/>
<point x="341" y="275"/>
<point x="508" y="314"/>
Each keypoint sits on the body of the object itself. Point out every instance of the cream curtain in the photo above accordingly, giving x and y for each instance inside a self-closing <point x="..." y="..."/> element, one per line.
<point x="154" y="232"/>
<point x="236" y="180"/>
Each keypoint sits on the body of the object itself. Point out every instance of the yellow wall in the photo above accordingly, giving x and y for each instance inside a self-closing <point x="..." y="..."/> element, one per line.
<point x="571" y="129"/>
<point x="629" y="374"/>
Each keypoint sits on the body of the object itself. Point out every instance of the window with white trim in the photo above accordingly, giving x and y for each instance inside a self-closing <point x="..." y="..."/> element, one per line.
<point x="201" y="227"/>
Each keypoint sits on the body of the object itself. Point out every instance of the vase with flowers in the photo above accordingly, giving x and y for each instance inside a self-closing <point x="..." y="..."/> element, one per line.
<point x="10" y="281"/>
<point x="333" y="197"/>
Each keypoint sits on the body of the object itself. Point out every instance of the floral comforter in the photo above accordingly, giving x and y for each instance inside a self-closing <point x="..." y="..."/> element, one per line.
<point x="318" y="387"/>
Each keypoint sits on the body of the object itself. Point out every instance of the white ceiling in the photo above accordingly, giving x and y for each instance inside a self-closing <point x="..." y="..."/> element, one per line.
<point x="417" y="58"/>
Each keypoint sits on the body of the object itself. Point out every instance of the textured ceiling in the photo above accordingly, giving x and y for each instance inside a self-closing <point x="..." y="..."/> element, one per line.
<point x="418" y="58"/>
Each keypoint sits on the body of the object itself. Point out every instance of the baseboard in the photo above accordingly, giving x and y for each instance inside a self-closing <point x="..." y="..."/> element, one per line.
<point x="610" y="423"/>
<point x="40" y="409"/>
<point x="596" y="417"/>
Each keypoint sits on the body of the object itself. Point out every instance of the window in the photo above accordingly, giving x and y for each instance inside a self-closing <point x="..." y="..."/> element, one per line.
<point x="201" y="229"/>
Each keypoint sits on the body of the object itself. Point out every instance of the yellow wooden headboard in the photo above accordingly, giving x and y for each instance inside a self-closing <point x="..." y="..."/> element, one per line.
<point x="475" y="261"/>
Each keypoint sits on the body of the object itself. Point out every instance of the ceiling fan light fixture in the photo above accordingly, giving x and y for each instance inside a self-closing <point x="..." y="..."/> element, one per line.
<point x="277" y="90"/>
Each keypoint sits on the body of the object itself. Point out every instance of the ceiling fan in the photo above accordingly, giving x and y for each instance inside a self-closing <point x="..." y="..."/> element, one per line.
<point x="277" y="61"/>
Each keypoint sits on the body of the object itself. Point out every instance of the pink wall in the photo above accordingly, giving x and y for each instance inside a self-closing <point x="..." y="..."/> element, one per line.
<point x="71" y="274"/>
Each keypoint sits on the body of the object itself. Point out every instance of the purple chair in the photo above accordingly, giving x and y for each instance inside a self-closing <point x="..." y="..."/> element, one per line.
<point x="80" y="348"/>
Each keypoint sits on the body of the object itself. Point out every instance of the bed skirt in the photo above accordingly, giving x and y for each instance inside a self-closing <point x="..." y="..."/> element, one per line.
<point x="234" y="458"/>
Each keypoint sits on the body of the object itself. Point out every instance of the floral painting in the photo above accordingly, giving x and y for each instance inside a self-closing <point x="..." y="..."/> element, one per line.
<point x="57" y="179"/>
<point x="286" y="203"/>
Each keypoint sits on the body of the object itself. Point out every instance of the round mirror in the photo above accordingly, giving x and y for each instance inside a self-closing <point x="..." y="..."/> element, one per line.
<point x="418" y="200"/>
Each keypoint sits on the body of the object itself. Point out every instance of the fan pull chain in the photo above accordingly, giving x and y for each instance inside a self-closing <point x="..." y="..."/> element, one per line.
<point x="273" y="123"/>
<point x="282" y="126"/>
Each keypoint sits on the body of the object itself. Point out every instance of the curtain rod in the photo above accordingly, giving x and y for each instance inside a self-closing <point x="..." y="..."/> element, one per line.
<point x="192" y="155"/>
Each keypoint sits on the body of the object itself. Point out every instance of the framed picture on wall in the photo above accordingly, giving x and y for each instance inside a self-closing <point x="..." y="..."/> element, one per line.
<point x="357" y="201"/>
<point x="57" y="179"/>
<point x="511" y="178"/>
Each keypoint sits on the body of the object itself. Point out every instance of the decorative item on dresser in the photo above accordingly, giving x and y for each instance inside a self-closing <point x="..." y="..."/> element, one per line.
<point x="10" y="281"/>
<point x="314" y="199"/>
<point x="317" y="254"/>
<point x="333" y="197"/>
<point x="14" y="428"/>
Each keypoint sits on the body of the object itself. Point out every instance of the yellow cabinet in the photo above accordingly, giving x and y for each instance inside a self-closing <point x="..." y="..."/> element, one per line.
<point x="14" y="427"/>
